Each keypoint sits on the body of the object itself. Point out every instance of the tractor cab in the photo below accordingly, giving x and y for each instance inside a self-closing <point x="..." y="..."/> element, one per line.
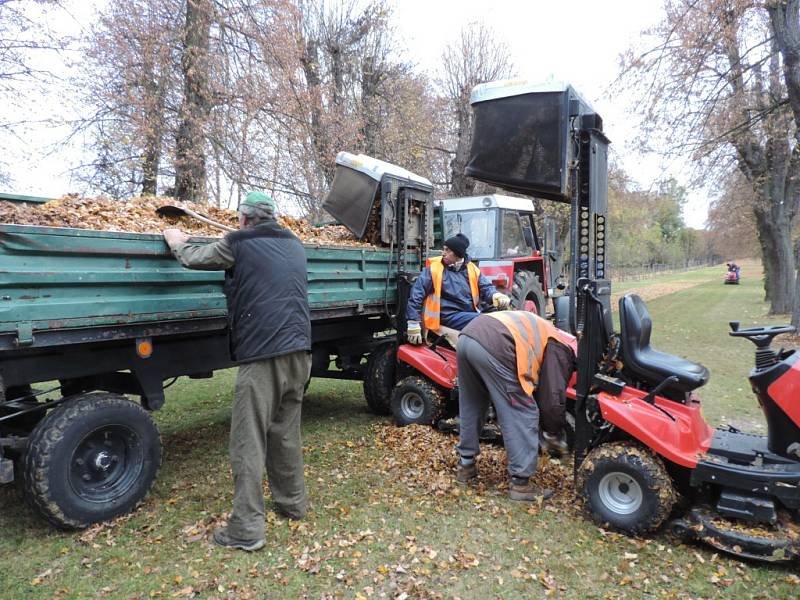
<point x="497" y="226"/>
<point x="505" y="245"/>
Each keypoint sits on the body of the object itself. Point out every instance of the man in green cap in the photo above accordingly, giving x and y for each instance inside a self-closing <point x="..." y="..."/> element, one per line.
<point x="270" y="339"/>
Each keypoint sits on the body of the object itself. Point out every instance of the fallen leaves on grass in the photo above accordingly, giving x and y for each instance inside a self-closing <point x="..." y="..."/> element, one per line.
<point x="656" y="290"/>
<point x="424" y="458"/>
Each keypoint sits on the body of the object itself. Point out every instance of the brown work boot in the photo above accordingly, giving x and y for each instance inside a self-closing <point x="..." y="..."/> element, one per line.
<point x="527" y="492"/>
<point x="554" y="444"/>
<point x="466" y="473"/>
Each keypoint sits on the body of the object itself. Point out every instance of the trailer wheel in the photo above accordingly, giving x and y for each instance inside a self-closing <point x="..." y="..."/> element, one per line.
<point x="379" y="378"/>
<point x="416" y="400"/>
<point x="527" y="294"/>
<point x="626" y="487"/>
<point x="91" y="459"/>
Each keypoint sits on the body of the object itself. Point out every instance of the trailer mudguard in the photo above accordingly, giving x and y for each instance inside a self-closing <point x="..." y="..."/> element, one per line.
<point x="675" y="431"/>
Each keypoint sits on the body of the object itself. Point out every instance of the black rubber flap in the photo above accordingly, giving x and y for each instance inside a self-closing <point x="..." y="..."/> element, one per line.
<point x="519" y="143"/>
<point x="351" y="198"/>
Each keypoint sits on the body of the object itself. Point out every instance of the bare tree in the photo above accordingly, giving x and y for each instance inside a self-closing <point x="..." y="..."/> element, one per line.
<point x="190" y="143"/>
<point x="130" y="87"/>
<point x="24" y="38"/>
<point x="785" y="19"/>
<point x="255" y="93"/>
<point x="731" y="220"/>
<point x="477" y="56"/>
<point x="712" y="86"/>
<point x="321" y="78"/>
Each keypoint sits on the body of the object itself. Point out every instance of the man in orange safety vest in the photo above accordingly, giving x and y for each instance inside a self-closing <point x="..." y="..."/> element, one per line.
<point x="449" y="292"/>
<point x="521" y="363"/>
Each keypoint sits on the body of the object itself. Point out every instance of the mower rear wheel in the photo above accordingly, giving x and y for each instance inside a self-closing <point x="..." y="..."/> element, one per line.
<point x="379" y="378"/>
<point x="415" y="400"/>
<point x="626" y="487"/>
<point x="527" y="293"/>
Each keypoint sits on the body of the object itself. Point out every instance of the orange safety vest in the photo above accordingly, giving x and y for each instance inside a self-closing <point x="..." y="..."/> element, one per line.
<point x="531" y="334"/>
<point x="433" y="303"/>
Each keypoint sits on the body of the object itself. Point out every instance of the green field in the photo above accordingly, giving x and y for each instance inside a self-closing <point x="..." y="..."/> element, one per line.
<point x="386" y="520"/>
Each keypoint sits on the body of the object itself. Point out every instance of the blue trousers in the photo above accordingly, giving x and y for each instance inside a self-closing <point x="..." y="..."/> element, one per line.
<point x="458" y="320"/>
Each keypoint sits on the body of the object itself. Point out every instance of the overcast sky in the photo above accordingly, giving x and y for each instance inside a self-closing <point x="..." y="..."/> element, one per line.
<point x="578" y="42"/>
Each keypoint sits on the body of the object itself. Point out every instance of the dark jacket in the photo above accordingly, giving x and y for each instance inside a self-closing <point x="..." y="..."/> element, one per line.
<point x="456" y="295"/>
<point x="267" y="293"/>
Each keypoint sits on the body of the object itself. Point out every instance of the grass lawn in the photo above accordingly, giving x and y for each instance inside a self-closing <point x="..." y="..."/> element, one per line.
<point x="386" y="519"/>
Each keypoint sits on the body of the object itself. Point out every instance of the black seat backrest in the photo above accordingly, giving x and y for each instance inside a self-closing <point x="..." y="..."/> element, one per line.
<point x="635" y="323"/>
<point x="645" y="362"/>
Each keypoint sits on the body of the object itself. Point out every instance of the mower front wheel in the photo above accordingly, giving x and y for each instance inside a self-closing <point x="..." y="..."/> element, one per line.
<point x="416" y="400"/>
<point x="626" y="487"/>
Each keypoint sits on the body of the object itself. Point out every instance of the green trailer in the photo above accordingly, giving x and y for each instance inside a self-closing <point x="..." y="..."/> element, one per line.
<point x="88" y="317"/>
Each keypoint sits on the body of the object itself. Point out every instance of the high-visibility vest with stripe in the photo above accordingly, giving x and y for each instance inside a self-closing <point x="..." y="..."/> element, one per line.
<point x="531" y="334"/>
<point x="433" y="303"/>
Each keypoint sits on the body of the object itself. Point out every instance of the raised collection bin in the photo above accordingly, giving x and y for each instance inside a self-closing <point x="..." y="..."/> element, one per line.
<point x="361" y="181"/>
<point x="521" y="137"/>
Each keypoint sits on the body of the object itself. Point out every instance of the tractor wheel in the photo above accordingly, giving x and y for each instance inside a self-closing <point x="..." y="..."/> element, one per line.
<point x="416" y="400"/>
<point x="91" y="459"/>
<point x="527" y="294"/>
<point x="379" y="378"/>
<point x="626" y="487"/>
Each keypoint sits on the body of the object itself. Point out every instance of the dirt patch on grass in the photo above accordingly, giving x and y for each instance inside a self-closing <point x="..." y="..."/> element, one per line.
<point x="655" y="290"/>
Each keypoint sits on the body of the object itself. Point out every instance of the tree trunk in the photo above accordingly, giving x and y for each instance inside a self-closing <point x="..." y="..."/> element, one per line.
<point x="796" y="309"/>
<point x="785" y="20"/>
<point x="152" y="159"/>
<point x="190" y="158"/>
<point x="461" y="185"/>
<point x="779" y="264"/>
<point x="767" y="265"/>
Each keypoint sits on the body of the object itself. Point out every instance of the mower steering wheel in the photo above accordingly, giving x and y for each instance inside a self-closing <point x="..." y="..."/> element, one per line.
<point x="760" y="336"/>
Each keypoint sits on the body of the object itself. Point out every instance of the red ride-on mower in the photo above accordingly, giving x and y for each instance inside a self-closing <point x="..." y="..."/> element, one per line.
<point x="648" y="443"/>
<point x="732" y="274"/>
<point x="427" y="389"/>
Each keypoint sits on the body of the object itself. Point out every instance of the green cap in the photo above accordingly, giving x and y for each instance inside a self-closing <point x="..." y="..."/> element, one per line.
<point x="256" y="198"/>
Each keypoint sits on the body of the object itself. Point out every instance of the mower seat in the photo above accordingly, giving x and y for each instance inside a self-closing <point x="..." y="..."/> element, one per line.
<point x="645" y="362"/>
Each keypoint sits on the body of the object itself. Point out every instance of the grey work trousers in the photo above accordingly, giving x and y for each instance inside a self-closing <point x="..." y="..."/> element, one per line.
<point x="482" y="379"/>
<point x="265" y="432"/>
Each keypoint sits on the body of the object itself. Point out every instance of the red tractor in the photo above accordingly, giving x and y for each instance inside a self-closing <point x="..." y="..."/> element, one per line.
<point x="506" y="246"/>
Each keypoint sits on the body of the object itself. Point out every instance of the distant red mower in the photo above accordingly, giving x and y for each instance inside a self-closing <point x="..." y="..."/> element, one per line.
<point x="733" y="274"/>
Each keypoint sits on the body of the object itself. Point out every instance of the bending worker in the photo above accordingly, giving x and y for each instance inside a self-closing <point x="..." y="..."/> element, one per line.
<point x="270" y="340"/>
<point x="507" y="358"/>
<point x="452" y="289"/>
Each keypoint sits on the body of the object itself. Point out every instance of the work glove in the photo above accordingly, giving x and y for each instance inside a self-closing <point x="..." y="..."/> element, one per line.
<point x="414" y="332"/>
<point x="501" y="301"/>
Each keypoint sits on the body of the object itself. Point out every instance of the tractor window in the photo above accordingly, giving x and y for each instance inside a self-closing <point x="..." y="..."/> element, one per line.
<point x="479" y="226"/>
<point x="513" y="240"/>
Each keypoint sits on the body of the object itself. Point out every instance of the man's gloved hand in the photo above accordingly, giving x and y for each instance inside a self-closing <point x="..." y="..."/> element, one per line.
<point x="501" y="301"/>
<point x="173" y="237"/>
<point x="414" y="332"/>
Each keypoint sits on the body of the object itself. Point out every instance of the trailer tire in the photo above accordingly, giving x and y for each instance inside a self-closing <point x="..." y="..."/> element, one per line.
<point x="626" y="487"/>
<point x="91" y="459"/>
<point x="527" y="293"/>
<point x="379" y="378"/>
<point x="415" y="400"/>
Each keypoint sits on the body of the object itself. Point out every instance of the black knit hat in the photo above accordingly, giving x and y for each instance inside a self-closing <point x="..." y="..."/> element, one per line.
<point x="458" y="244"/>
